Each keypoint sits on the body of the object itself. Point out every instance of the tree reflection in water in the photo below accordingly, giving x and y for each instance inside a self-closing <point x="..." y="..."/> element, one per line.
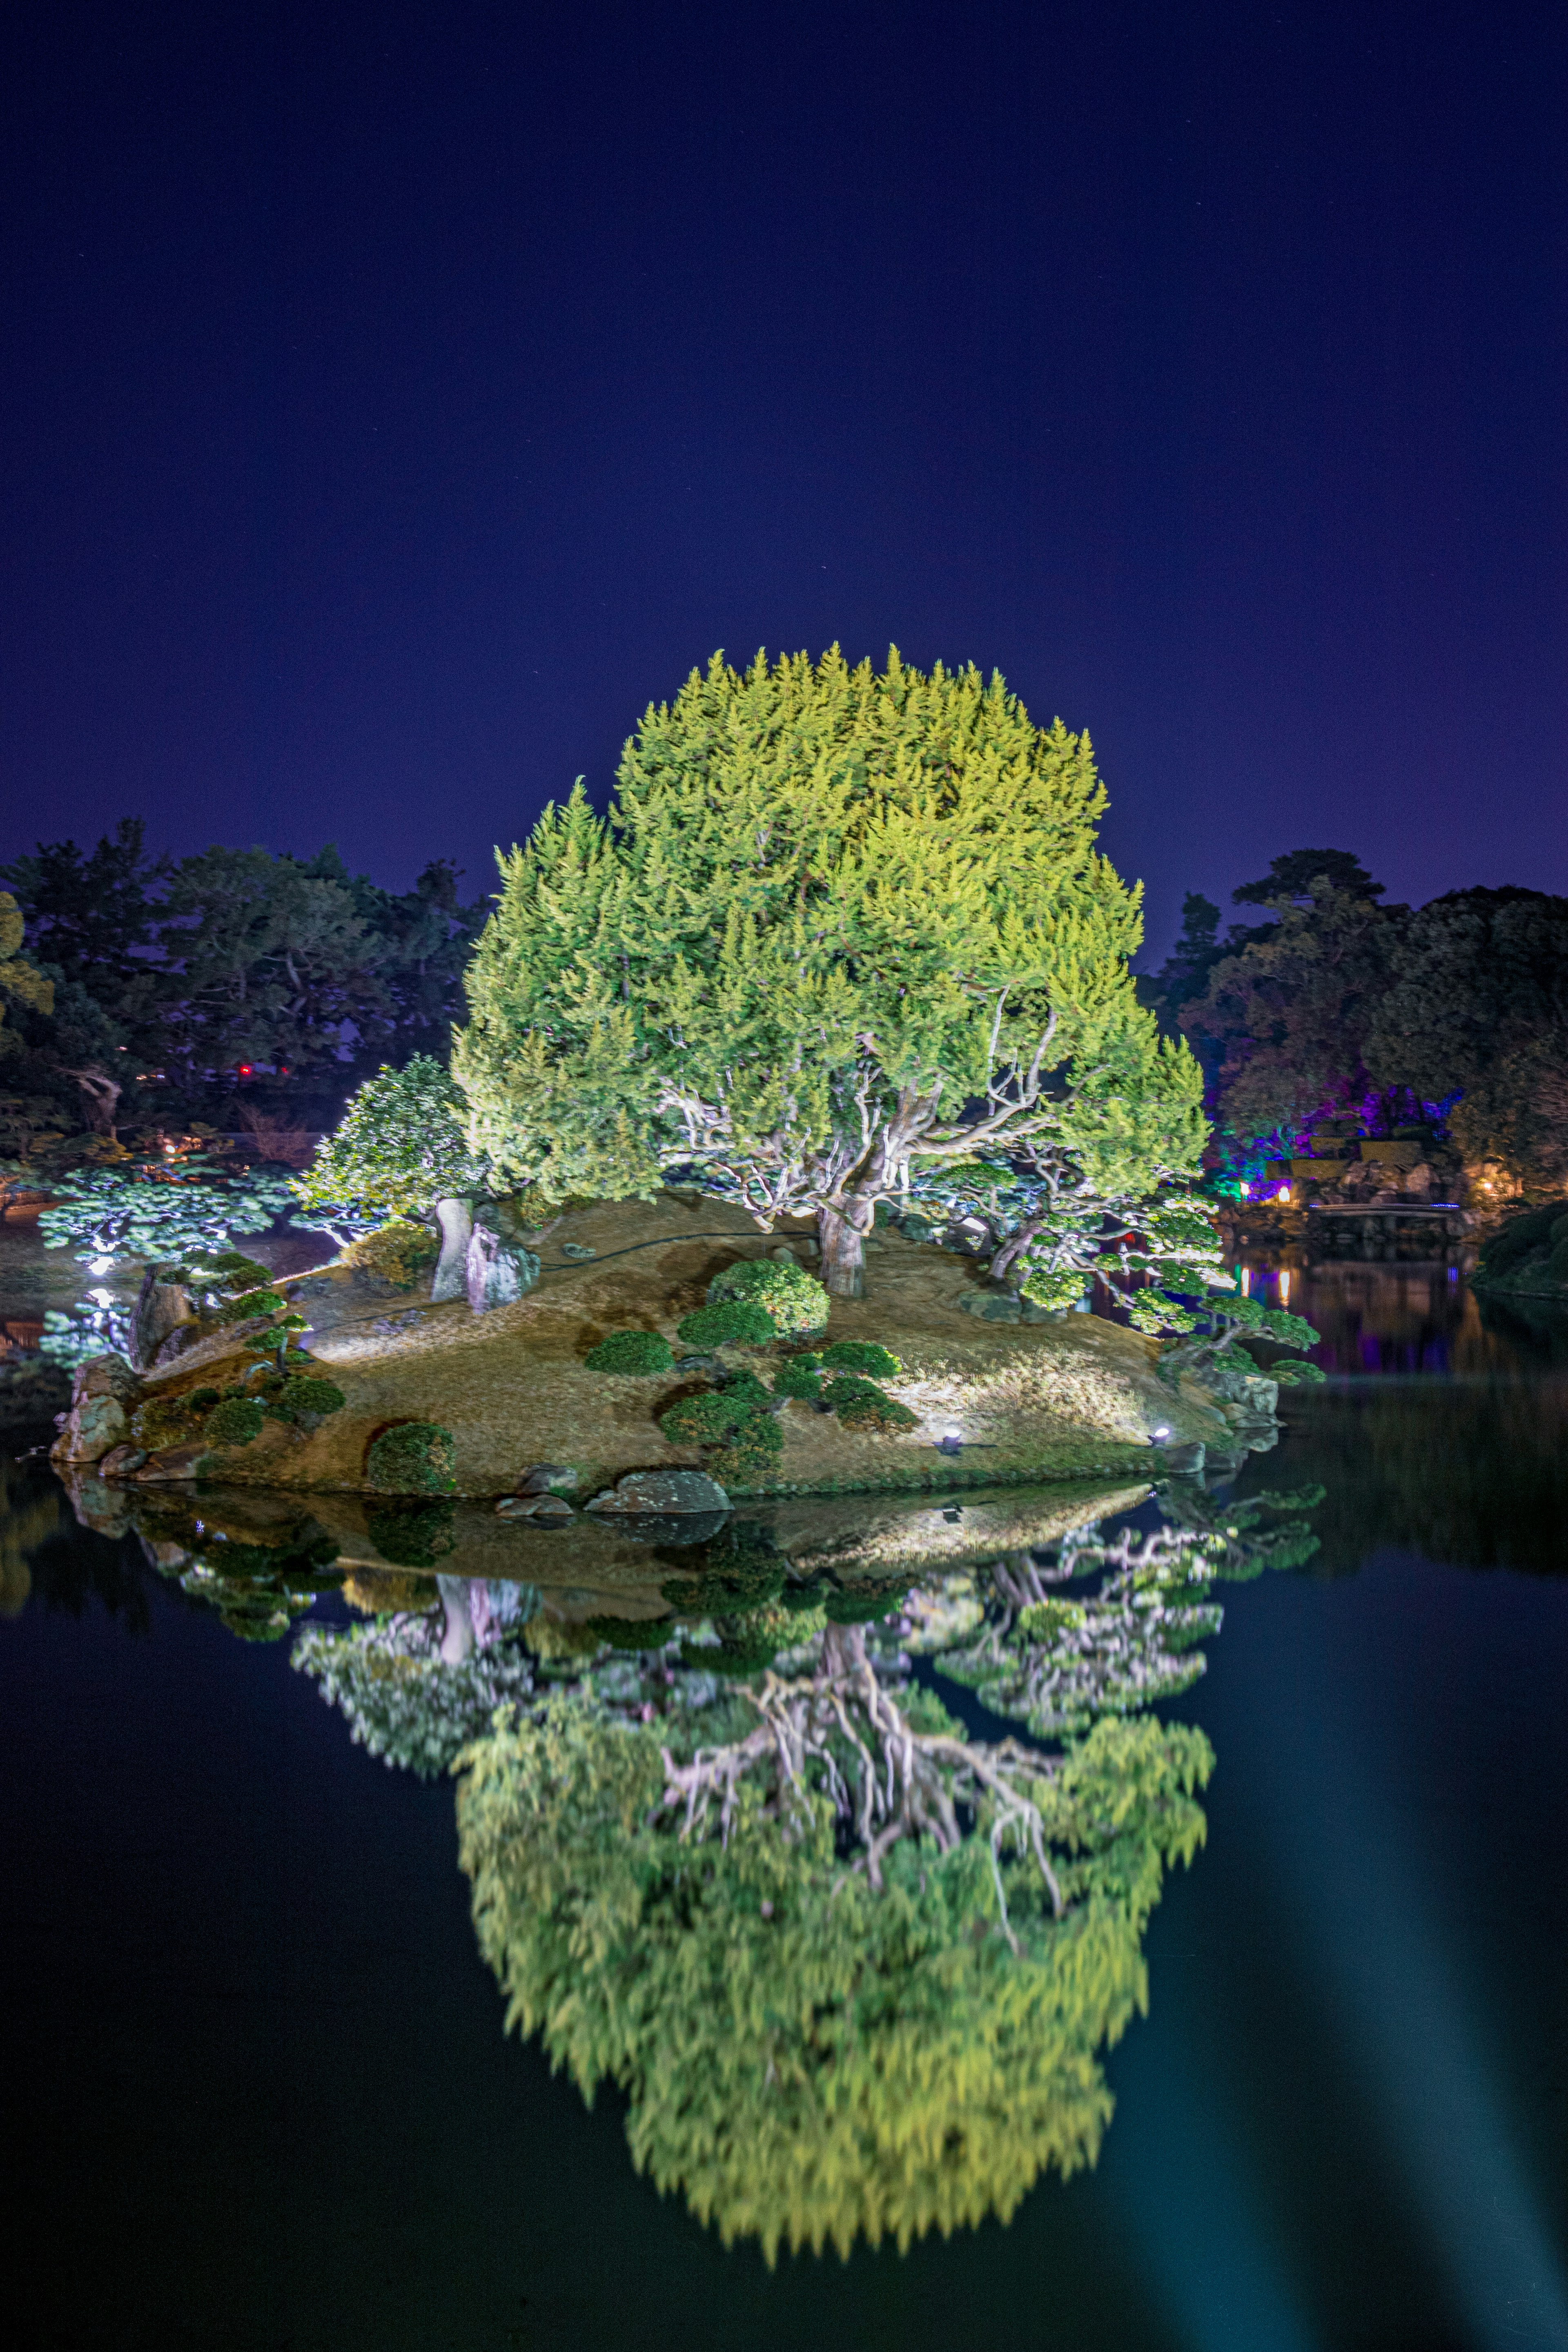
<point x="852" y="1964"/>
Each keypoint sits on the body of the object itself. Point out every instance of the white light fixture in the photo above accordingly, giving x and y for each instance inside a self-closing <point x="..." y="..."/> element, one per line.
<point x="103" y="1298"/>
<point x="1158" y="1433"/>
<point x="100" y="1265"/>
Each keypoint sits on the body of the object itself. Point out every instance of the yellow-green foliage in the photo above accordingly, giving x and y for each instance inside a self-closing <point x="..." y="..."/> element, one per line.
<point x="810" y="2062"/>
<point x="819" y="887"/>
<point x="384" y="1592"/>
<point x="399" y="1252"/>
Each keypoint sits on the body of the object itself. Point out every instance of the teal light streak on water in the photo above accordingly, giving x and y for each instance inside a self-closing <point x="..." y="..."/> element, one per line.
<point x="1349" y="1863"/>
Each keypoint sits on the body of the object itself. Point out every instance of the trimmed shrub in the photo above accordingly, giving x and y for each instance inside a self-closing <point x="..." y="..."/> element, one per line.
<point x="1514" y="1241"/>
<point x="801" y="1597"/>
<point x="750" y="1390"/>
<point x="413" y="1457"/>
<point x="633" y="1632"/>
<point x="630" y="1351"/>
<point x="727" y="1593"/>
<point x="794" y="1300"/>
<point x="412" y="1534"/>
<point x="801" y="1376"/>
<point x="863" y="1608"/>
<point x="203" y="1400"/>
<point x="861" y="1356"/>
<point x="861" y="1405"/>
<point x="703" y="1420"/>
<point x="235" y="1422"/>
<point x="737" y="1323"/>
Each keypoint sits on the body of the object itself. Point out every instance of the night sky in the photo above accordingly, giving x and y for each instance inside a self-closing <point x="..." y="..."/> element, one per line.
<point x="396" y="399"/>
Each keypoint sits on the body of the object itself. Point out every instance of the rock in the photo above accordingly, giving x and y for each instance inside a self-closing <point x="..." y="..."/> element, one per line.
<point x="183" y="1335"/>
<point x="103" y="1396"/>
<point x="1181" y="1460"/>
<point x="174" y="1467"/>
<point x="161" y="1309"/>
<point x="578" y="1252"/>
<point x="993" y="1306"/>
<point x="548" y="1478"/>
<point x="105" y="1510"/>
<point x="670" y="1530"/>
<point x="120" y="1460"/>
<point x="499" y="1272"/>
<point x="663" y="1493"/>
<point x="694" y="1364"/>
<point x="539" y="1510"/>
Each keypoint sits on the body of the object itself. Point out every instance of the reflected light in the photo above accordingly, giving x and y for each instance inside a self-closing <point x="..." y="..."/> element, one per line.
<point x="1246" y="1282"/>
<point x="1245" y="1190"/>
<point x="1284" y="1287"/>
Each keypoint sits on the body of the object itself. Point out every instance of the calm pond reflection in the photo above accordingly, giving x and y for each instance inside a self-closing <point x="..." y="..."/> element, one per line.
<point x="863" y="1859"/>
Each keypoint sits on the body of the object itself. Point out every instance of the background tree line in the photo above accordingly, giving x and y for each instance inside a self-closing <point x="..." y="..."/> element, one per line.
<point x="144" y="988"/>
<point x="1335" y="1005"/>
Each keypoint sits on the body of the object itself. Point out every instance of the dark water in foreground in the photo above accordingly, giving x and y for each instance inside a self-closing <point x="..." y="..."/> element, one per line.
<point x="258" y="2096"/>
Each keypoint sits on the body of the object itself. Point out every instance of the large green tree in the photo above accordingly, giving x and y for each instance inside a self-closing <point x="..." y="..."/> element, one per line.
<point x="1478" y="1006"/>
<point x="837" y="926"/>
<point x="1286" y="1016"/>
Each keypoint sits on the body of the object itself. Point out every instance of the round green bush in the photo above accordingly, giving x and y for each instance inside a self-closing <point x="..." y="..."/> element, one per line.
<point x="305" y="1392"/>
<point x="861" y="1356"/>
<point x="703" y="1420"/>
<point x="235" y="1422"/>
<point x="737" y="1323"/>
<point x="203" y="1400"/>
<point x="748" y="1653"/>
<point x="748" y="1390"/>
<point x="793" y="1298"/>
<point x="861" y="1405"/>
<point x="801" y="1376"/>
<point x="412" y="1457"/>
<point x="630" y="1351"/>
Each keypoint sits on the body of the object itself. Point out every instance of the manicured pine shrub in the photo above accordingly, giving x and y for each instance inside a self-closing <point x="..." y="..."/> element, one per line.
<point x="799" y="1376"/>
<point x="630" y="1351"/>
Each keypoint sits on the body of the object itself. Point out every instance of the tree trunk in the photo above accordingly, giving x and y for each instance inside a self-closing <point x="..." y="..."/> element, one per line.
<point x="840" y="1236"/>
<point x="101" y="1100"/>
<point x="455" y="1219"/>
<point x="457" y="1641"/>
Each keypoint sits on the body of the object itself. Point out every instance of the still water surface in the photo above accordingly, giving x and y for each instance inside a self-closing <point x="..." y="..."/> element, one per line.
<point x="259" y="2097"/>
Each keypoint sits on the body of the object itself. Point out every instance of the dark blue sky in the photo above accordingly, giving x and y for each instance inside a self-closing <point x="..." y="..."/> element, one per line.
<point x="396" y="399"/>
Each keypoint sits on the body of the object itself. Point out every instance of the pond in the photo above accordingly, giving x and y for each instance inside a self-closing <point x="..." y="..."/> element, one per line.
<point x="261" y="2095"/>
